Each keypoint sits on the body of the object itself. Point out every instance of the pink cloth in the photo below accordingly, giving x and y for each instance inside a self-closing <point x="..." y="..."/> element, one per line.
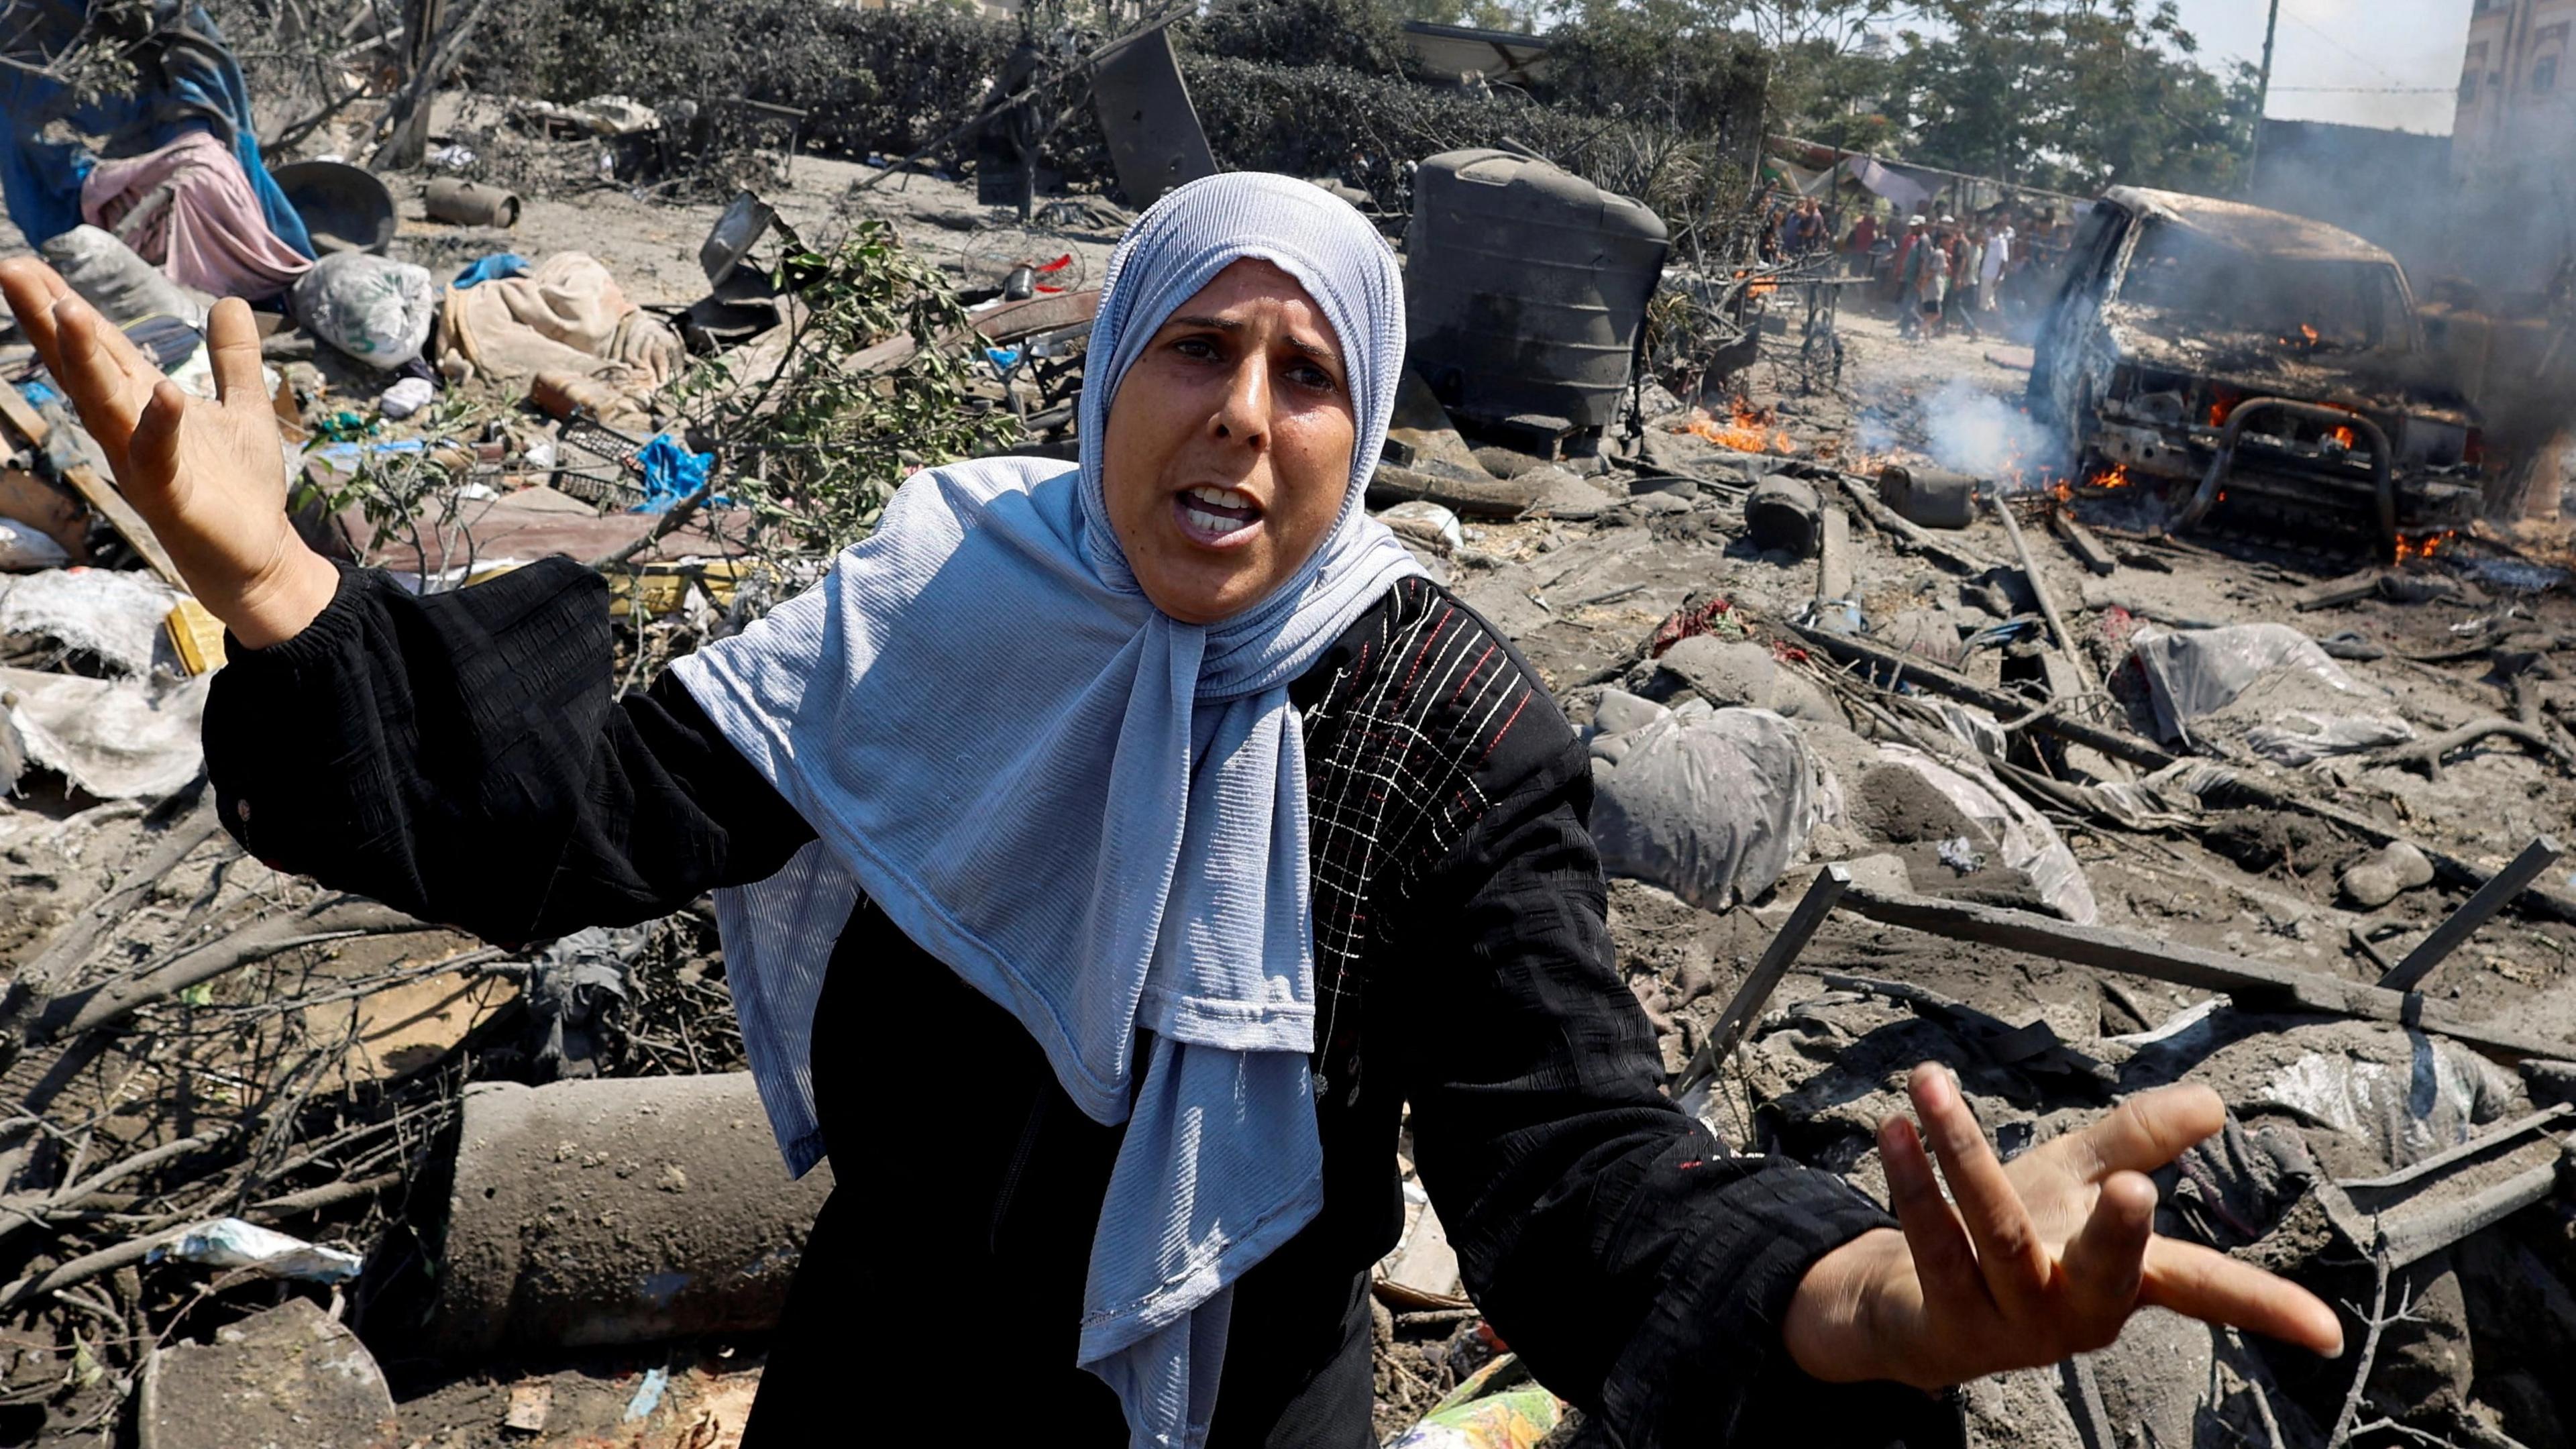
<point x="188" y="209"/>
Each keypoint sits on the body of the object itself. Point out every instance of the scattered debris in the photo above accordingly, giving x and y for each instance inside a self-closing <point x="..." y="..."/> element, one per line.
<point x="290" y="1377"/>
<point x="1877" y="780"/>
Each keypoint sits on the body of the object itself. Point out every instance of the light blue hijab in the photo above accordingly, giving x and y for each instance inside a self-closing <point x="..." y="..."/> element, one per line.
<point x="1092" y="812"/>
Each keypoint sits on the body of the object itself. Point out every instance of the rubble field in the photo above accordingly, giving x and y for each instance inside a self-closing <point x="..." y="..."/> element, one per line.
<point x="1914" y="739"/>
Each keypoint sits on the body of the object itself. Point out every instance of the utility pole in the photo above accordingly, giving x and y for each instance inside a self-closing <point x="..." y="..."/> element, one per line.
<point x="2262" y="95"/>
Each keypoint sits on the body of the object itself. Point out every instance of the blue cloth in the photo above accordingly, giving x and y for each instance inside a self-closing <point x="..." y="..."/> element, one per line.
<point x="671" y="473"/>
<point x="491" y="269"/>
<point x="189" y="82"/>
<point x="1091" y="811"/>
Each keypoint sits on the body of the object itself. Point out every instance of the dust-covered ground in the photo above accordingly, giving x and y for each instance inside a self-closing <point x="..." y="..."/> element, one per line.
<point x="2043" y="1044"/>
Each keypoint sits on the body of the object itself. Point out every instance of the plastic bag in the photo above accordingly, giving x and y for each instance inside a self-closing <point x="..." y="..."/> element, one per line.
<point x="2196" y="672"/>
<point x="112" y="614"/>
<point x="232" y="1243"/>
<point x="375" y="309"/>
<point x="2306" y="738"/>
<point x="117" y="739"/>
<point x="120" y="284"/>
<point x="1710" y="804"/>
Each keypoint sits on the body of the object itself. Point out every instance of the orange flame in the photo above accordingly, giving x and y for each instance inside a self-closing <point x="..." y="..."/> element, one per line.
<point x="2115" y="476"/>
<point x="2309" y="333"/>
<point x="2345" y="436"/>
<point x="1748" y="430"/>
<point x="2422" y="545"/>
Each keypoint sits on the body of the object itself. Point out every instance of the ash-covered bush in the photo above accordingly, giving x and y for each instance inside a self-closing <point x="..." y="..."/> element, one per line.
<point x="1360" y="35"/>
<point x="871" y="80"/>
<point x="1307" y="87"/>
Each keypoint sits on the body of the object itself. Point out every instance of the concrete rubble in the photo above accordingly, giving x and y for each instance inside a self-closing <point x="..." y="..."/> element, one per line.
<point x="1945" y="702"/>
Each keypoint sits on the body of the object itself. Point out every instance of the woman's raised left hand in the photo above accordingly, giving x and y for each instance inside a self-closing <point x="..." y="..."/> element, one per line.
<point x="2026" y="1262"/>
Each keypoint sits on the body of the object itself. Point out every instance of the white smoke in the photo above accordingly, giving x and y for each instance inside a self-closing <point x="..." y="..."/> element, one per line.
<point x="1974" y="432"/>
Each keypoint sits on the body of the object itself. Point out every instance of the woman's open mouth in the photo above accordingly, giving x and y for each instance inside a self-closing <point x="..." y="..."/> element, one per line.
<point x="1213" y="516"/>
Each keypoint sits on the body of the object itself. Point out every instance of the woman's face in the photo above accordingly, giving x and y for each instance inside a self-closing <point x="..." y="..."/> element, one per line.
<point x="1228" y="448"/>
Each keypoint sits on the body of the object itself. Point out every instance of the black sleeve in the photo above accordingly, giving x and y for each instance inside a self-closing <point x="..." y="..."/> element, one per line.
<point x="1640" y="1269"/>
<point x="462" y="757"/>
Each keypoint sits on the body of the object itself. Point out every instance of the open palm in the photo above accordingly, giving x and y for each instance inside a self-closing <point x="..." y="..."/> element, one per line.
<point x="208" y="476"/>
<point x="2034" y="1260"/>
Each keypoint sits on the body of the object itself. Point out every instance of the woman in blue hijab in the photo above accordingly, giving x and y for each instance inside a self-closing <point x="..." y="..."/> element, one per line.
<point x="1107" y="856"/>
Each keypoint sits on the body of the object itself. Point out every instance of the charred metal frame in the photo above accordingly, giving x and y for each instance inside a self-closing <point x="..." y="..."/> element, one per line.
<point x="2383" y="473"/>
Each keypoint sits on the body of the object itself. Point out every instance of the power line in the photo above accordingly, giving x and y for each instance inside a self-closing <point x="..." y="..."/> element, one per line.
<point x="2329" y="38"/>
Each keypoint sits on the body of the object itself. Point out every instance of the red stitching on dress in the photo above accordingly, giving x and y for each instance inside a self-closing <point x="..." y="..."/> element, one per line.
<point x="1497" y="741"/>
<point x="1472" y="671"/>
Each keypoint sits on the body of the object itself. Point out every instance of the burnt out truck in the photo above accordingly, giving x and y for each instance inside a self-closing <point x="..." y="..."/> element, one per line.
<point x="2225" y="354"/>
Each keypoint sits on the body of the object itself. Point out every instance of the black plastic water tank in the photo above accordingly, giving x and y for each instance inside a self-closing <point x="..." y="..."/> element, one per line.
<point x="1524" y="286"/>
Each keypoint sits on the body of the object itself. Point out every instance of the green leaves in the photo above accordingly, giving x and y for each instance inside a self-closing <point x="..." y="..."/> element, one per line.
<point x="815" y="448"/>
<point x="2072" y="95"/>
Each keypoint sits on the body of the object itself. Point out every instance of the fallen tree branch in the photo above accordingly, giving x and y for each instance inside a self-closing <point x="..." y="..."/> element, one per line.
<point x="80" y="1270"/>
<point x="1913" y="536"/>
<point x="2426" y="754"/>
<point x="337" y="919"/>
<point x="32" y="988"/>
<point x="1925" y="674"/>
<point x="2378" y="1320"/>
<point x="673" y="519"/>
<point x="315" y="1199"/>
<point x="25" y="1209"/>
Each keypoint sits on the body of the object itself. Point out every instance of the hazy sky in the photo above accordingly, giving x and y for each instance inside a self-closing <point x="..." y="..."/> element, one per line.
<point x="2363" y="62"/>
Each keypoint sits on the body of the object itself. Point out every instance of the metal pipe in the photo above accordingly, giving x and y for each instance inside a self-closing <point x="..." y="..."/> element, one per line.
<point x="1777" y="958"/>
<point x="2383" y="463"/>
<point x="2047" y="605"/>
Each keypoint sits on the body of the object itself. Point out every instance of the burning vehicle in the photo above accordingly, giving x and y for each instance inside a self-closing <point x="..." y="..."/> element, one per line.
<point x="2226" y="352"/>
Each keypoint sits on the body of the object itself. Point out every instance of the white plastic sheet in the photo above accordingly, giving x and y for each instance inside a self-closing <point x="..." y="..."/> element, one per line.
<point x="117" y="739"/>
<point x="114" y="614"/>
<point x="2196" y="672"/>
<point x="2012" y="830"/>
<point x="1712" y="805"/>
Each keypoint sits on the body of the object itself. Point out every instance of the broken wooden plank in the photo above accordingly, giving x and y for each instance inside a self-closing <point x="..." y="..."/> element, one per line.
<point x="2481" y="908"/>
<point x="2065" y="639"/>
<point x="2258" y="984"/>
<point x="2003" y="705"/>
<point x="97" y="492"/>
<point x="1834" y="556"/>
<point x="2083" y="1394"/>
<point x="1491" y="498"/>
<point x="100" y="494"/>
<point x="2089" y="550"/>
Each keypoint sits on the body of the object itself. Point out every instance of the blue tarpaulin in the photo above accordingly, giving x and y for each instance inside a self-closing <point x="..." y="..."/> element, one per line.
<point x="189" y="81"/>
<point x="491" y="269"/>
<point x="671" y="473"/>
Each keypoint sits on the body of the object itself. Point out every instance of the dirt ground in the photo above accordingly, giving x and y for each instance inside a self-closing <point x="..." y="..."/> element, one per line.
<point x="1579" y="595"/>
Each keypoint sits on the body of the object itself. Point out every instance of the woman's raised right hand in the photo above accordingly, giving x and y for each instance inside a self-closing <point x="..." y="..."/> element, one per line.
<point x="207" y="476"/>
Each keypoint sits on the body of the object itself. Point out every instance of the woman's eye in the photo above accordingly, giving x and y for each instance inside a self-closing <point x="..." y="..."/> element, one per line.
<point x="1194" y="347"/>
<point x="1309" y="374"/>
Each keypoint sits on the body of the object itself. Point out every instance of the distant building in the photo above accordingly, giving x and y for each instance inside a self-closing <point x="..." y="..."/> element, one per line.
<point x="2517" y="90"/>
